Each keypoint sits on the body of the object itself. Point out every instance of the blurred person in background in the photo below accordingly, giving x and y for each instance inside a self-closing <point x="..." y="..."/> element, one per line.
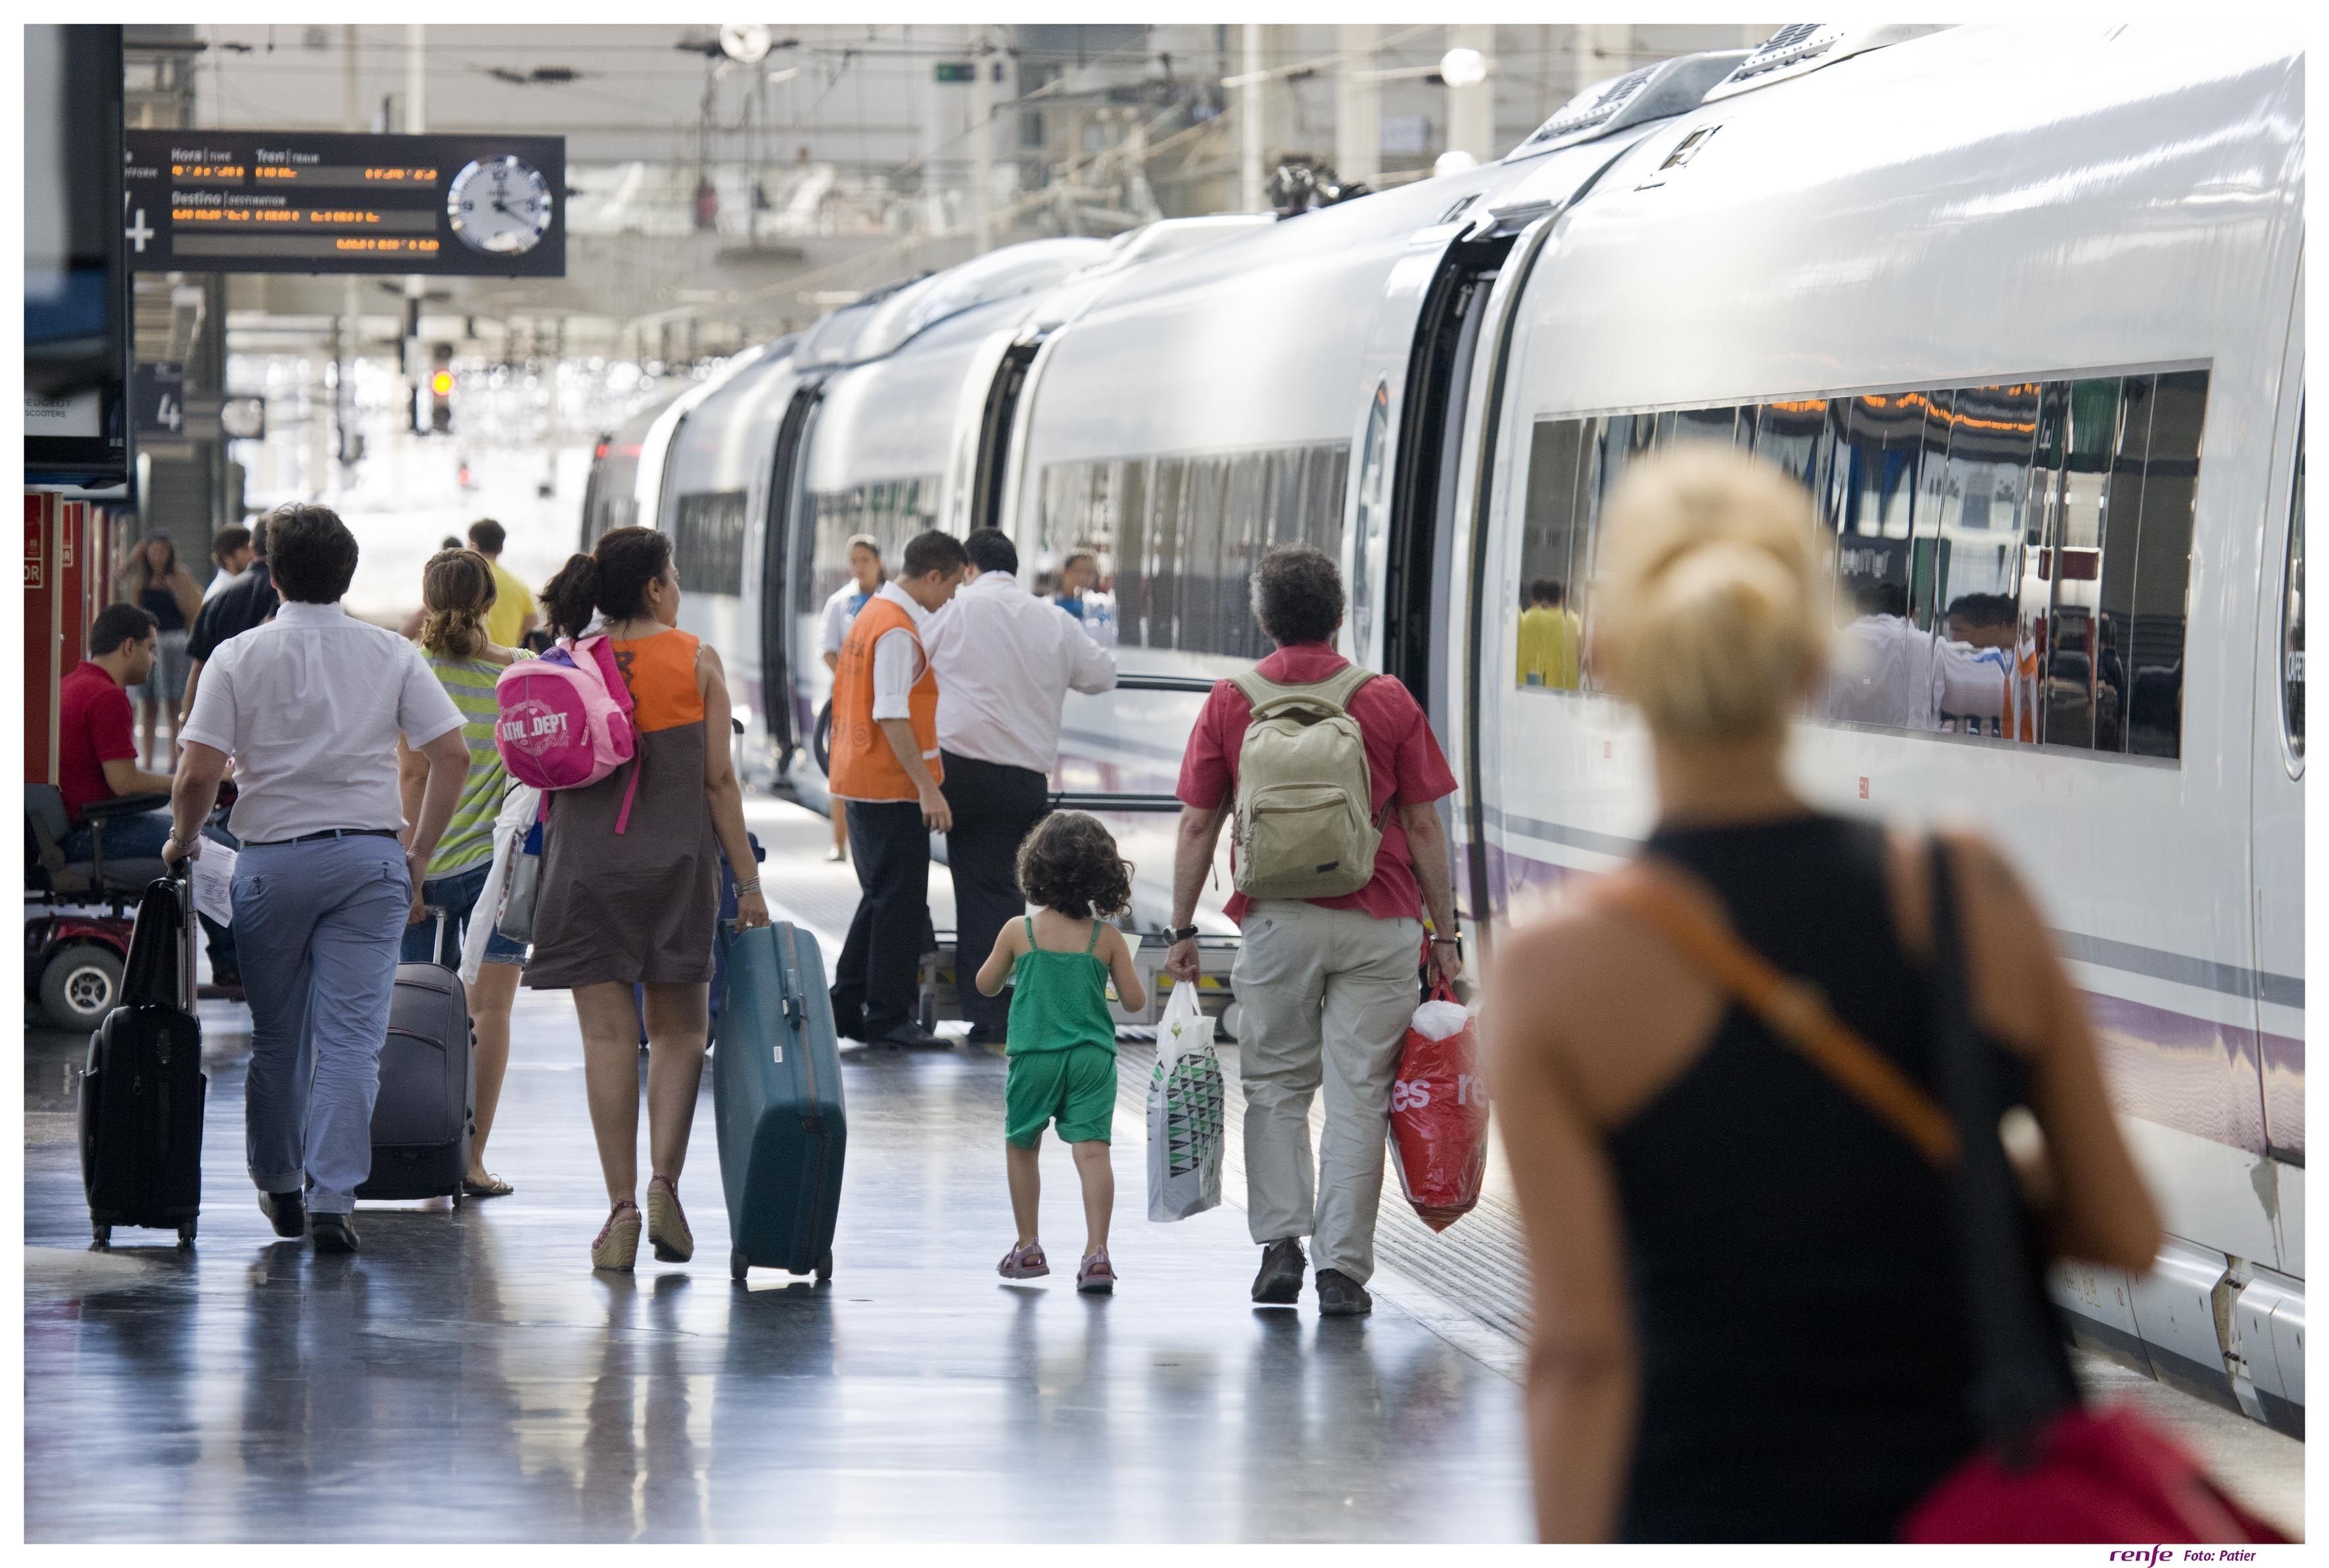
<point x="231" y="549"/>
<point x="514" y="613"/>
<point x="156" y="583"/>
<point x="235" y="609"/>
<point x="1551" y="637"/>
<point x="840" y="610"/>
<point x="456" y="591"/>
<point x="1750" y="1322"/>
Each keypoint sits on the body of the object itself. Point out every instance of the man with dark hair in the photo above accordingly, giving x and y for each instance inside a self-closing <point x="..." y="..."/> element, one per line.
<point x="1550" y="635"/>
<point x="1078" y="573"/>
<point x="235" y="611"/>
<point x="514" y="613"/>
<point x="1327" y="985"/>
<point x="1005" y="662"/>
<point x="310" y="708"/>
<point x="97" y="756"/>
<point x="231" y="549"/>
<point x="886" y="765"/>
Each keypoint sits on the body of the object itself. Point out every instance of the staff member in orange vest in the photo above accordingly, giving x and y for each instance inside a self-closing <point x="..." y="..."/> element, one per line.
<point x="885" y="765"/>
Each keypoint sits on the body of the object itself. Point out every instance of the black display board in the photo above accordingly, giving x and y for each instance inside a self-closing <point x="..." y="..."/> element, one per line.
<point x="233" y="200"/>
<point x="75" y="282"/>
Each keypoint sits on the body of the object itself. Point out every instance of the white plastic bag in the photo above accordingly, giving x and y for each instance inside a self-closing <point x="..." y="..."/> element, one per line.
<point x="519" y="806"/>
<point x="1186" y="1112"/>
<point x="1439" y="1021"/>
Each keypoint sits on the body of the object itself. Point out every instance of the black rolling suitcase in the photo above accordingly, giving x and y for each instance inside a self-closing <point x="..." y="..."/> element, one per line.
<point x="421" y="1118"/>
<point x="142" y="1092"/>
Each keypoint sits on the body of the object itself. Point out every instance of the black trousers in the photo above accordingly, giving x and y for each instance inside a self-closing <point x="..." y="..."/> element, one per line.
<point x="874" y="988"/>
<point x="995" y="807"/>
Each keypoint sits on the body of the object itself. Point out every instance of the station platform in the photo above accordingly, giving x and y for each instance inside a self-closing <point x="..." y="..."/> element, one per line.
<point x="467" y="1377"/>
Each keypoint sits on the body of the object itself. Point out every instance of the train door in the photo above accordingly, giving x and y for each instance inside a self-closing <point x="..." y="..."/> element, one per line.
<point x="996" y="420"/>
<point x="2277" y="798"/>
<point x="1417" y="558"/>
<point x="787" y="543"/>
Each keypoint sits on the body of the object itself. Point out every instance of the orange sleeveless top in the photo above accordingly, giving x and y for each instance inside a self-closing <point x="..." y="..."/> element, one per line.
<point x="660" y="671"/>
<point x="864" y="767"/>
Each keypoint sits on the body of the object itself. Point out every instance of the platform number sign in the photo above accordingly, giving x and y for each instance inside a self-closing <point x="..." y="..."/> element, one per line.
<point x="157" y="392"/>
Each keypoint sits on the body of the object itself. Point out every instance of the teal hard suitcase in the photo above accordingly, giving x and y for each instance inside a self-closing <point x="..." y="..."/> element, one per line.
<point x="776" y="1094"/>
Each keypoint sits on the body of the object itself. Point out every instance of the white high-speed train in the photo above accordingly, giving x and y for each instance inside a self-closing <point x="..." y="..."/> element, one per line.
<point x="2024" y="307"/>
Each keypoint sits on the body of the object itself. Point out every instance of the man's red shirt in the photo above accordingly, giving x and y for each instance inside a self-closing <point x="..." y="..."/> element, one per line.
<point x="94" y="727"/>
<point x="1404" y="764"/>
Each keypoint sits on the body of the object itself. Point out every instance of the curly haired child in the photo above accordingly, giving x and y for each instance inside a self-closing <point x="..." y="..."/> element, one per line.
<point x="1062" y="1040"/>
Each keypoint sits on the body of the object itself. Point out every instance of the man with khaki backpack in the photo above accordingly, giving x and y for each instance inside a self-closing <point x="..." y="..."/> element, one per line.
<point x="1327" y="774"/>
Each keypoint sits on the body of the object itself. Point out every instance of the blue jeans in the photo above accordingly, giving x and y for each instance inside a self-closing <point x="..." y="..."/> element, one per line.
<point x="457" y="895"/>
<point x="140" y="837"/>
<point x="321" y="923"/>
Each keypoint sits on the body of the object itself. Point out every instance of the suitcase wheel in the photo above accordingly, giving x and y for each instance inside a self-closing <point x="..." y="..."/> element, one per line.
<point x="187" y="1234"/>
<point x="739" y="1265"/>
<point x="103" y="1233"/>
<point x="824" y="1266"/>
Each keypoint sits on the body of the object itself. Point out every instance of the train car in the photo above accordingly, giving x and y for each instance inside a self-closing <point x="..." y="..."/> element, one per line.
<point x="2023" y="308"/>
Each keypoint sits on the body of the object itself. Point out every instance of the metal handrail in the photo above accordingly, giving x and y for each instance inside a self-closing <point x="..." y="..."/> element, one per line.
<point x="1102" y="800"/>
<point x="1197" y="685"/>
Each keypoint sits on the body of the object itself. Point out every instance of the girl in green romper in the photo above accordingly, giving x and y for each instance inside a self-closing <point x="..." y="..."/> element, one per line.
<point x="1061" y="1039"/>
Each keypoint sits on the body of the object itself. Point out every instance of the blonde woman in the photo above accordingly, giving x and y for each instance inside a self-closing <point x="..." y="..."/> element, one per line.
<point x="456" y="590"/>
<point x="1749" y="1320"/>
<point x="156" y="583"/>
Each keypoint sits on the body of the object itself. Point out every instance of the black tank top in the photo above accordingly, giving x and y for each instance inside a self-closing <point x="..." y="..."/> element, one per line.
<point x="162" y="604"/>
<point x="1793" y="1270"/>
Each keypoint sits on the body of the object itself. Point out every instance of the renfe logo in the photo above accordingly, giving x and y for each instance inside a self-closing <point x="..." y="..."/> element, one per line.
<point x="534" y="726"/>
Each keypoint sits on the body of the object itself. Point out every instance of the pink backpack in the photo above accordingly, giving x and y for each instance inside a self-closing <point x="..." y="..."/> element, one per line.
<point x="565" y="720"/>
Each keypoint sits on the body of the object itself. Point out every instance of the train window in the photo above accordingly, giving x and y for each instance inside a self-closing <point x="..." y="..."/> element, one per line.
<point x="1185" y="533"/>
<point x="1706" y="425"/>
<point x="707" y="542"/>
<point x="2114" y="575"/>
<point x="2078" y="439"/>
<point x="1554" y="521"/>
<point x="2153" y="649"/>
<point x="2292" y="613"/>
<point x="892" y="512"/>
<point x="1976" y="486"/>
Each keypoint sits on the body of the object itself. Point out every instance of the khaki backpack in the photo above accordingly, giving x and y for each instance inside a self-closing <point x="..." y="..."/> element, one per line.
<point x="1303" y="827"/>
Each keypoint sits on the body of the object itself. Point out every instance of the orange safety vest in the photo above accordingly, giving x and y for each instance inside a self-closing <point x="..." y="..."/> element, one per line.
<point x="864" y="767"/>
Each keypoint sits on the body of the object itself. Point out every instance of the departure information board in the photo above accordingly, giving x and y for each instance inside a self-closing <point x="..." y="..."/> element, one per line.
<point x="213" y="201"/>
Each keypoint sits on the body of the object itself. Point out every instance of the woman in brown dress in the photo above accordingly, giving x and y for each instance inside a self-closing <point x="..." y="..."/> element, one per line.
<point x="638" y="907"/>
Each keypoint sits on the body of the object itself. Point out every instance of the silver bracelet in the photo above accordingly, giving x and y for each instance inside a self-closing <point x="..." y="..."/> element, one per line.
<point x="751" y="887"/>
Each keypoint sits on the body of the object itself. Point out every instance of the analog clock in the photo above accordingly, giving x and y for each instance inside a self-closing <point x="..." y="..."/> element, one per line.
<point x="501" y="206"/>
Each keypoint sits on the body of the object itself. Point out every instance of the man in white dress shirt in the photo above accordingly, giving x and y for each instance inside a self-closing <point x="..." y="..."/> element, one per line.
<point x="309" y="706"/>
<point x="1005" y="662"/>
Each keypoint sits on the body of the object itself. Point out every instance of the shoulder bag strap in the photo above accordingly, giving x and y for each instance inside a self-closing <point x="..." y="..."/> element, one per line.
<point x="1796" y="1013"/>
<point x="2022" y="1378"/>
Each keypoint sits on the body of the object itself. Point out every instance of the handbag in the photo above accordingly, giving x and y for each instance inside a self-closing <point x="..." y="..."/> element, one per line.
<point x="516" y="918"/>
<point x="2048" y="1469"/>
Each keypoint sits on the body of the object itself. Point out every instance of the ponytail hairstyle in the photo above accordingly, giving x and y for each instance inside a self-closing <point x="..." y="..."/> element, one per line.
<point x="457" y="588"/>
<point x="1712" y="618"/>
<point x="612" y="579"/>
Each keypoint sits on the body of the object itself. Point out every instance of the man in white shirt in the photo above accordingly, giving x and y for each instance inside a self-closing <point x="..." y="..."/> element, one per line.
<point x="309" y="706"/>
<point x="1890" y="671"/>
<point x="840" y="611"/>
<point x="1005" y="662"/>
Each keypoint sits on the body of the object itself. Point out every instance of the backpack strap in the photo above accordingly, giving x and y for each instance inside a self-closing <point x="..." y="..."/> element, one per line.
<point x="1330" y="697"/>
<point x="1661" y="897"/>
<point x="601" y="652"/>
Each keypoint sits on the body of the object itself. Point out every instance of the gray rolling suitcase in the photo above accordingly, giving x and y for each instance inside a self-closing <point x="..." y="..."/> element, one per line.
<point x="421" y="1121"/>
<point x="776" y="1093"/>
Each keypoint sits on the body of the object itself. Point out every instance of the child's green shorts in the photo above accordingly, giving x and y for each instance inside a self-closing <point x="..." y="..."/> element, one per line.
<point x="1076" y="1087"/>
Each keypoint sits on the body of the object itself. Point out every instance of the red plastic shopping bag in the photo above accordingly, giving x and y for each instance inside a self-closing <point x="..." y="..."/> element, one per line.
<point x="1439" y="1112"/>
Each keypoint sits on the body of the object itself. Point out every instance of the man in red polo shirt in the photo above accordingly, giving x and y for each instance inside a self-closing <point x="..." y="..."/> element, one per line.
<point x="97" y="750"/>
<point x="1327" y="985"/>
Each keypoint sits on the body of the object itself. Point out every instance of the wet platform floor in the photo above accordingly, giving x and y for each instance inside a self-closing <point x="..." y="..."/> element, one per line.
<point x="467" y="1376"/>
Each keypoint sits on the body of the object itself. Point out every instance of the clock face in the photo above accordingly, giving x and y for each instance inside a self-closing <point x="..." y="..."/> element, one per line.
<point x="501" y="206"/>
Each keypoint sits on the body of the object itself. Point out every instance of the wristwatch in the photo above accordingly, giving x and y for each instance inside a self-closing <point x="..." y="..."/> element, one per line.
<point x="1182" y="933"/>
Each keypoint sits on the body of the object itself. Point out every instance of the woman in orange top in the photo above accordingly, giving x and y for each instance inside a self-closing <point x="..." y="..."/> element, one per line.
<point x="639" y="908"/>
